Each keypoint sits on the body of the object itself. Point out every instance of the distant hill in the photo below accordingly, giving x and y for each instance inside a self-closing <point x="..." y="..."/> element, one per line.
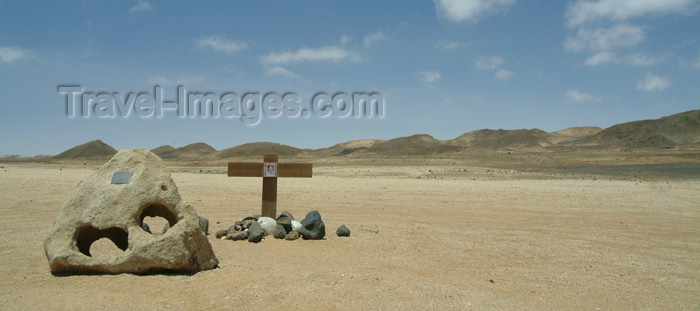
<point x="420" y="144"/>
<point x="91" y="150"/>
<point x="256" y="149"/>
<point x="196" y="151"/>
<point x="682" y="129"/>
<point x="502" y="139"/>
<point x="163" y="150"/>
<point x="349" y="147"/>
<point x="572" y="133"/>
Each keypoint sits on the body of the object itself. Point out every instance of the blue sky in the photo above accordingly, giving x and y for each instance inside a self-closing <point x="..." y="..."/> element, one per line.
<point x="443" y="67"/>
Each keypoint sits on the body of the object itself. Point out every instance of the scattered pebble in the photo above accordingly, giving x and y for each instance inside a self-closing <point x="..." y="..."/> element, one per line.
<point x="343" y="231"/>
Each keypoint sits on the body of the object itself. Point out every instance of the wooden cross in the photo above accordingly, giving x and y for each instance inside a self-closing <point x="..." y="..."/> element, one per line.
<point x="269" y="170"/>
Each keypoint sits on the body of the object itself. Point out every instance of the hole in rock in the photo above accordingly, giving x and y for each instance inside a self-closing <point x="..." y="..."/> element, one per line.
<point x="156" y="216"/>
<point x="156" y="225"/>
<point x="87" y="235"/>
<point x="105" y="247"/>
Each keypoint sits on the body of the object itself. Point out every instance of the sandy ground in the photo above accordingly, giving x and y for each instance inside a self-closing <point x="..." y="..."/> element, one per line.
<point x="480" y="239"/>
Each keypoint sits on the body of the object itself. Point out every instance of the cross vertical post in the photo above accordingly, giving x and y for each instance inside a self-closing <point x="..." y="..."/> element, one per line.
<point x="269" y="190"/>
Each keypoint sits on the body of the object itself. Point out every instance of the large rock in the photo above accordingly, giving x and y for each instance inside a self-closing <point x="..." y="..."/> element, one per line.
<point x="312" y="227"/>
<point x="99" y="208"/>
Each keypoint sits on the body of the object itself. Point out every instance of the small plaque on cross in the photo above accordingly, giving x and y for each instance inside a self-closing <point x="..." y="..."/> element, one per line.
<point x="269" y="169"/>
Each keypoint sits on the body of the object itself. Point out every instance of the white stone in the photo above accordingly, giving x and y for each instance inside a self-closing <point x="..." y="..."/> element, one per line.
<point x="267" y="224"/>
<point x="296" y="225"/>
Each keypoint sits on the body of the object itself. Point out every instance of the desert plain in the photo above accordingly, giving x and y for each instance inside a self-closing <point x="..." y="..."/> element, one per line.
<point x="601" y="230"/>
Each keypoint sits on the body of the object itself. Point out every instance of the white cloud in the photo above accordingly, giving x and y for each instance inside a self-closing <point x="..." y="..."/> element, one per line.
<point x="494" y="63"/>
<point x="637" y="59"/>
<point x="471" y="10"/>
<point x="447" y="45"/>
<point x="489" y="63"/>
<point x="653" y="83"/>
<point x="605" y="39"/>
<point x="503" y="74"/>
<point x="602" y="42"/>
<point x="373" y="38"/>
<point x="583" y="11"/>
<point x="578" y="96"/>
<point x="142" y="6"/>
<point x="281" y="71"/>
<point x="329" y="53"/>
<point x="386" y="34"/>
<point x="430" y="77"/>
<point x="600" y="58"/>
<point x="10" y="54"/>
<point x="219" y="44"/>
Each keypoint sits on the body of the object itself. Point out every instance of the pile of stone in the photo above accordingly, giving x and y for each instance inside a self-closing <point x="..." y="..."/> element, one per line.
<point x="254" y="228"/>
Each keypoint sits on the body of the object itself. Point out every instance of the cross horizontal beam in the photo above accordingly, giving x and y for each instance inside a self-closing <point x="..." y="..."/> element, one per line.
<point x="256" y="169"/>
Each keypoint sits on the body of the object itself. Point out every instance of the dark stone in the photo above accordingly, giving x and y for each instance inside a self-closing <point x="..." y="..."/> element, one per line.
<point x="286" y="222"/>
<point x="254" y="217"/>
<point x="312" y="227"/>
<point x="255" y="233"/>
<point x="145" y="227"/>
<point x="286" y="214"/>
<point x="343" y="231"/>
<point x="204" y="225"/>
<point x="166" y="227"/>
<point x="237" y="235"/>
<point x="292" y="236"/>
<point x="221" y="233"/>
<point x="279" y="232"/>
